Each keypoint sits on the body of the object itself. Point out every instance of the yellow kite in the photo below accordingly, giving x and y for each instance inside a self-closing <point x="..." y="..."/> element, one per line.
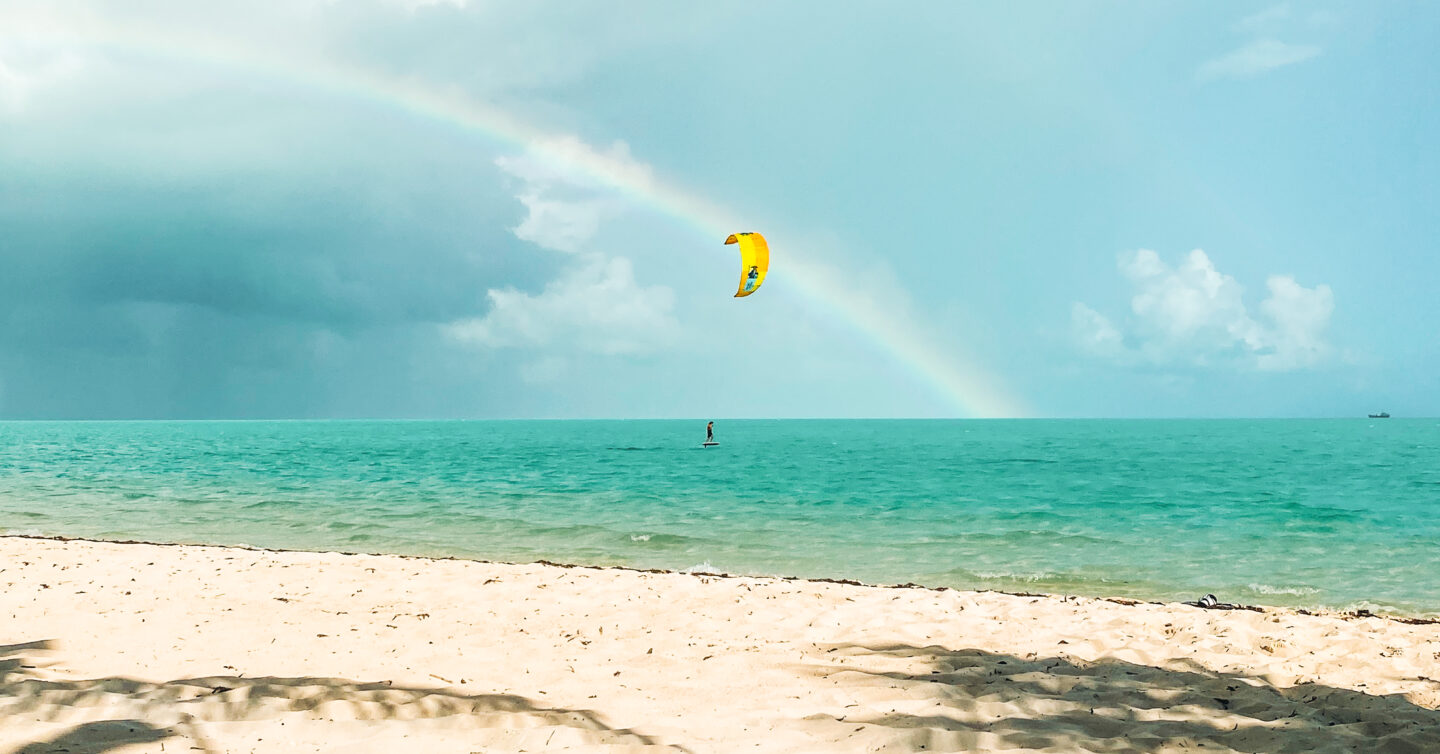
<point x="754" y="261"/>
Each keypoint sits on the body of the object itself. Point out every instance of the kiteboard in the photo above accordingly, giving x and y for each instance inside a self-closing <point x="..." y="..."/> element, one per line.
<point x="708" y="444"/>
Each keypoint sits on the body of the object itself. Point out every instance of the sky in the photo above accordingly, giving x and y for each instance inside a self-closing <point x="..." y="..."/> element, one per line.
<point x="466" y="209"/>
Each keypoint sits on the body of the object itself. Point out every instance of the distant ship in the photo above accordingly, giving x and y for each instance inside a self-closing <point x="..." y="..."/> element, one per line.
<point x="1381" y="415"/>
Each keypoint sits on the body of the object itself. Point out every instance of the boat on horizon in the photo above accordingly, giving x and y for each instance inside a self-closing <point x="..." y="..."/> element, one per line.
<point x="1381" y="415"/>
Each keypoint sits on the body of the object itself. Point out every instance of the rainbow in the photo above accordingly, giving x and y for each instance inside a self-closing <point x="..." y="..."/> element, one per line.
<point x="966" y="387"/>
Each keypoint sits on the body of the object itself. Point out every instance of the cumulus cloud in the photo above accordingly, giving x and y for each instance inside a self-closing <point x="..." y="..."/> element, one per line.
<point x="1193" y="314"/>
<point x="559" y="225"/>
<point x="1192" y="304"/>
<point x="1298" y="317"/>
<point x="564" y="189"/>
<point x="596" y="305"/>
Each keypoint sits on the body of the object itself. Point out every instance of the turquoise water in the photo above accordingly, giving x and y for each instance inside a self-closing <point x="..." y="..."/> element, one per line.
<point x="1312" y="513"/>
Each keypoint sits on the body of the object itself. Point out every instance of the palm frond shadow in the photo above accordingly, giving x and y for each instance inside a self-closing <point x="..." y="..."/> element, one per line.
<point x="102" y="736"/>
<point x="982" y="700"/>
<point x="154" y="711"/>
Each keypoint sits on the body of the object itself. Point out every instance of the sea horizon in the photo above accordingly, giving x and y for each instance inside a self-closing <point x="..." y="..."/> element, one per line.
<point x="701" y="419"/>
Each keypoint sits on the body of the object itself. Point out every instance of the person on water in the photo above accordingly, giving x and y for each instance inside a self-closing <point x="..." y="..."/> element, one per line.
<point x="710" y="432"/>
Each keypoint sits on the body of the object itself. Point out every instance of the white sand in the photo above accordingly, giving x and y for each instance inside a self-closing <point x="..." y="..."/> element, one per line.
<point x="140" y="648"/>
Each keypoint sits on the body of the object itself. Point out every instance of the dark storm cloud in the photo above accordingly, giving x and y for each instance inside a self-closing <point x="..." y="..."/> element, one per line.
<point x="155" y="289"/>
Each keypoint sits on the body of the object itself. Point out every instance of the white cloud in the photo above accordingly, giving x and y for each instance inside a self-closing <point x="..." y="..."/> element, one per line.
<point x="566" y="160"/>
<point x="1193" y="304"/>
<point x="595" y="307"/>
<point x="1095" y="333"/>
<point x="559" y="225"/>
<point x="566" y="206"/>
<point x="1193" y="314"/>
<point x="1298" y="317"/>
<point x="1255" y="58"/>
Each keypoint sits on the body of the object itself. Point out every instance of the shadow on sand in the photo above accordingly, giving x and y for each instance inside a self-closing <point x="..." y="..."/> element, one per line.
<point x="148" y="712"/>
<point x="982" y="700"/>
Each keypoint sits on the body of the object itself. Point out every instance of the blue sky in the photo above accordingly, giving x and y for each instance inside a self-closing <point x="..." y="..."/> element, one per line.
<point x="1080" y="209"/>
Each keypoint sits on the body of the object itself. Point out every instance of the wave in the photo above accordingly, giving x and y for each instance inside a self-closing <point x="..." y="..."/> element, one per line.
<point x="1297" y="591"/>
<point x="272" y="503"/>
<point x="1384" y="608"/>
<point x="1067" y="581"/>
<point x="1032" y="537"/>
<point x="1028" y="578"/>
<point x="703" y="568"/>
<point x="654" y="539"/>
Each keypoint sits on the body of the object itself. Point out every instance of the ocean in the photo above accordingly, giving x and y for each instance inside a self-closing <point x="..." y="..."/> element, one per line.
<point x="1340" y="514"/>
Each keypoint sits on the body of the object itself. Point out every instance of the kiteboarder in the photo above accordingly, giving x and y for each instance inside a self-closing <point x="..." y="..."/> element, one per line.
<point x="710" y="432"/>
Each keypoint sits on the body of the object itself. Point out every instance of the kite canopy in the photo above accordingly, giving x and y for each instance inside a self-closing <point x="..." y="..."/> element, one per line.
<point x="754" y="261"/>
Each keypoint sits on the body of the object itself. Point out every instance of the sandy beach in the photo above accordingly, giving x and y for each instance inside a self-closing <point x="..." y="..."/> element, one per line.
<point x="153" y="648"/>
